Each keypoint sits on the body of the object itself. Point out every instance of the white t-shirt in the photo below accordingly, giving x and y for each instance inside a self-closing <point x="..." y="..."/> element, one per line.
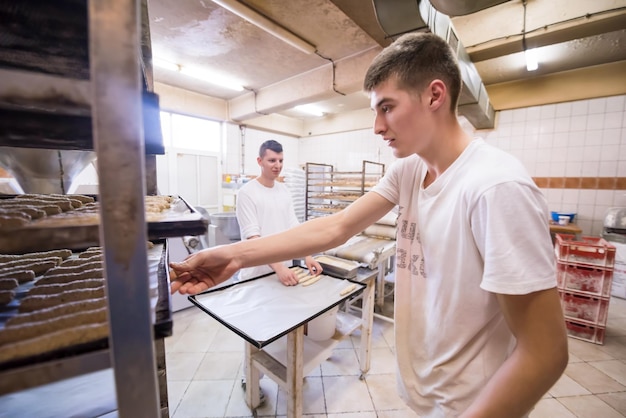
<point x="480" y="228"/>
<point x="263" y="211"/>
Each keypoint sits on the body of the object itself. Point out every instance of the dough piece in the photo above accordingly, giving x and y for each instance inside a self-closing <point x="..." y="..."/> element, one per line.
<point x="4" y="258"/>
<point x="312" y="280"/>
<point x="51" y="289"/>
<point x="304" y="278"/>
<point x="15" y="213"/>
<point x="6" y="296"/>
<point x="54" y="341"/>
<point x="22" y="276"/>
<point x="36" y="302"/>
<point x="80" y="261"/>
<point x="22" y="204"/>
<point x="90" y="253"/>
<point x="49" y="313"/>
<point x="73" y="269"/>
<point x="8" y="284"/>
<point x="63" y="204"/>
<point x="38" y="267"/>
<point x="27" y="263"/>
<point x="31" y="211"/>
<point x="83" y="198"/>
<point x="348" y="289"/>
<point x="97" y="273"/>
<point x="29" y="330"/>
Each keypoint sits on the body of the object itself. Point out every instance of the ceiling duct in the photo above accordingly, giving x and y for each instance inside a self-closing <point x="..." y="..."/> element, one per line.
<point x="397" y="17"/>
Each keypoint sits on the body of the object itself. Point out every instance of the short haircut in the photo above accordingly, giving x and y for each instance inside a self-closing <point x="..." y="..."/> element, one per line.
<point x="416" y="59"/>
<point x="271" y="145"/>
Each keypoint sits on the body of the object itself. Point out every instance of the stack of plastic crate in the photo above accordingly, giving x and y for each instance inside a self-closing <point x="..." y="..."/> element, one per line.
<point x="584" y="276"/>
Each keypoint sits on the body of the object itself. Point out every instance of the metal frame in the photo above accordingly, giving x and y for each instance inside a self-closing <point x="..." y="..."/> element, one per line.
<point x="114" y="56"/>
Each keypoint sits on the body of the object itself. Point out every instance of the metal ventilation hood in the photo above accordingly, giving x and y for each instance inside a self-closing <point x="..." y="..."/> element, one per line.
<point x="402" y="16"/>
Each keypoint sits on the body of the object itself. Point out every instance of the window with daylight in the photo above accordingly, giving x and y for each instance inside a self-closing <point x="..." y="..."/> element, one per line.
<point x="192" y="133"/>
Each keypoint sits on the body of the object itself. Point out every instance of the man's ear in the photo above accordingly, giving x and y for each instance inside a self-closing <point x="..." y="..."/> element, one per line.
<point x="437" y="91"/>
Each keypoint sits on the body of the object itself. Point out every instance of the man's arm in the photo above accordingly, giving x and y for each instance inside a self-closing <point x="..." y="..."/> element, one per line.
<point x="538" y="360"/>
<point x="212" y="266"/>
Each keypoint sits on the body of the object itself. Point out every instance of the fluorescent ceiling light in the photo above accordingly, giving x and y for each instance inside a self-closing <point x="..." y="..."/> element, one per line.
<point x="198" y="74"/>
<point x="267" y="25"/>
<point x="531" y="59"/>
<point x="310" y="110"/>
<point x="166" y="65"/>
<point x="211" y="78"/>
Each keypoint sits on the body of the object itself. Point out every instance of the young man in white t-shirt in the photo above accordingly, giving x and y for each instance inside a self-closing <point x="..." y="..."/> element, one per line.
<point x="264" y="207"/>
<point x="479" y="326"/>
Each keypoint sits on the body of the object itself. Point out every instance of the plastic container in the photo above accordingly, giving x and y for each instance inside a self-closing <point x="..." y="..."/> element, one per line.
<point x="323" y="327"/>
<point x="594" y="334"/>
<point x="586" y="251"/>
<point x="585" y="280"/>
<point x="584" y="308"/>
<point x="563" y="219"/>
<point x="555" y="216"/>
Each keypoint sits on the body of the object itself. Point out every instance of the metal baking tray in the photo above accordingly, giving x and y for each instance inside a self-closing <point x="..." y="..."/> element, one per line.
<point x="262" y="310"/>
<point x="92" y="356"/>
<point x="180" y="220"/>
<point x="338" y="267"/>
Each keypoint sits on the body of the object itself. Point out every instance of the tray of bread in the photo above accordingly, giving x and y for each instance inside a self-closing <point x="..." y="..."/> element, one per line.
<point x="38" y="222"/>
<point x="338" y="267"/>
<point x="53" y="304"/>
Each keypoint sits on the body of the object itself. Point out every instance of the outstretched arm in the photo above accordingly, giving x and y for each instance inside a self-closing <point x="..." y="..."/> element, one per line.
<point x="212" y="266"/>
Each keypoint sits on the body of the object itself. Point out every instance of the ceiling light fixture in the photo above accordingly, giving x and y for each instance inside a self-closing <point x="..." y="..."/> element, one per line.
<point x="532" y="62"/>
<point x="266" y="24"/>
<point x="531" y="59"/>
<point x="198" y="74"/>
<point x="309" y="110"/>
<point x="166" y="65"/>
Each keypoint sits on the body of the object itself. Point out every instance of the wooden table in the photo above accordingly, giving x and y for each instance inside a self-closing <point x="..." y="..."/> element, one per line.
<point x="570" y="228"/>
<point x="289" y="355"/>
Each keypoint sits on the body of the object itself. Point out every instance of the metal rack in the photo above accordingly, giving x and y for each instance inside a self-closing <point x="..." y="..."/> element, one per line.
<point x="329" y="191"/>
<point x="89" y="94"/>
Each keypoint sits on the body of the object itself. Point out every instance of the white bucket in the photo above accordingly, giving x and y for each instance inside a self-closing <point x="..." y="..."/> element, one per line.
<point x="323" y="327"/>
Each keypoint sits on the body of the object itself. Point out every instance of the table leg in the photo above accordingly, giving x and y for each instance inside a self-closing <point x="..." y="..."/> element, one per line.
<point x="380" y="285"/>
<point x="253" y="375"/>
<point x="367" y="321"/>
<point x="295" y="374"/>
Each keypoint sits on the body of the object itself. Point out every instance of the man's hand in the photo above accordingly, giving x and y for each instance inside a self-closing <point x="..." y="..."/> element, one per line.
<point x="314" y="267"/>
<point x="202" y="270"/>
<point x="285" y="275"/>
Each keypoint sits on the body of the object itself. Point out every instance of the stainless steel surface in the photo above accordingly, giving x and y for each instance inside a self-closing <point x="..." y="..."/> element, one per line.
<point x="227" y="224"/>
<point x="45" y="170"/>
<point x="615" y="218"/>
<point x="114" y="34"/>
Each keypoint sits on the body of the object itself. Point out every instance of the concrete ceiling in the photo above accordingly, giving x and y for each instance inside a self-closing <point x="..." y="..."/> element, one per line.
<point x="581" y="47"/>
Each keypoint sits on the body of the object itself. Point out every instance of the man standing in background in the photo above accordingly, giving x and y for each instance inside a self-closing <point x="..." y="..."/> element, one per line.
<point x="265" y="207"/>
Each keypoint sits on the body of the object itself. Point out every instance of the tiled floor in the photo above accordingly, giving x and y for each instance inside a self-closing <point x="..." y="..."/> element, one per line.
<point x="204" y="362"/>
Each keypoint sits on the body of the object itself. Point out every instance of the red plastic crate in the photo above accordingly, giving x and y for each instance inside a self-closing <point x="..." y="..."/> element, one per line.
<point x="588" y="251"/>
<point x="584" y="308"/>
<point x="592" y="281"/>
<point x="594" y="334"/>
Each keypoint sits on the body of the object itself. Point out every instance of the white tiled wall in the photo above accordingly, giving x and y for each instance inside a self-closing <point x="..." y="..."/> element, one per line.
<point x="585" y="138"/>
